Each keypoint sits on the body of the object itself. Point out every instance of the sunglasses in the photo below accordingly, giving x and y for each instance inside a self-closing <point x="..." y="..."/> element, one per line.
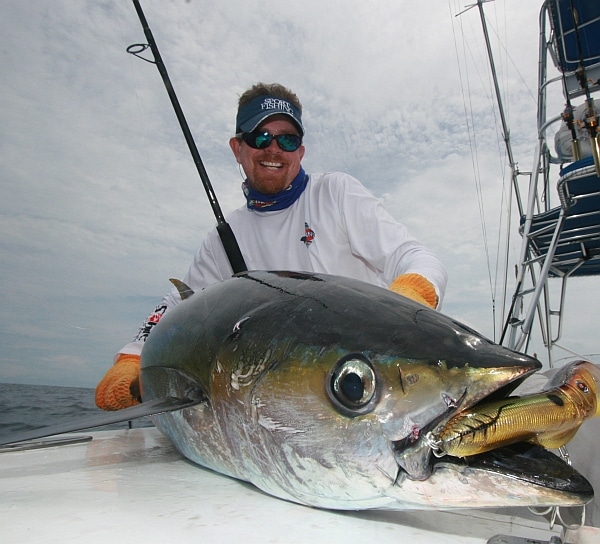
<point x="262" y="140"/>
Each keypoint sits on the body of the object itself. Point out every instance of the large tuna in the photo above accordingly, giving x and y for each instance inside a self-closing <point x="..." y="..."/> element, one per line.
<point x="322" y="390"/>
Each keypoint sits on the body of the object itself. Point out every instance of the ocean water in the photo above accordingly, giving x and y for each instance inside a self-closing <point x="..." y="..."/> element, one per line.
<point x="29" y="407"/>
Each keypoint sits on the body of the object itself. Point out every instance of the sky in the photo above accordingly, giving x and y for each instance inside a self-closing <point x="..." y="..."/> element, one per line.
<point x="100" y="202"/>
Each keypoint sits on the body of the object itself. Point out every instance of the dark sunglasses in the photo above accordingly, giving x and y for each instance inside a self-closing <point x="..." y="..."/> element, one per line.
<point x="262" y="140"/>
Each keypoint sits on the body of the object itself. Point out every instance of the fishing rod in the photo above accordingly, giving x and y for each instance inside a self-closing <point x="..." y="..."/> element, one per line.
<point x="232" y="249"/>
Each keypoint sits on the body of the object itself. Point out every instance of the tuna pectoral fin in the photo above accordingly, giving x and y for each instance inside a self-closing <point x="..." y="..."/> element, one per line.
<point x="150" y="408"/>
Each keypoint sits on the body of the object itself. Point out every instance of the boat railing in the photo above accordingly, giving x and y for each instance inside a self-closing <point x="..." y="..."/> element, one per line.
<point x="560" y="227"/>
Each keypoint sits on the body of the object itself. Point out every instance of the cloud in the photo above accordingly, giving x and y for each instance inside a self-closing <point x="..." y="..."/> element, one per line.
<point x="100" y="202"/>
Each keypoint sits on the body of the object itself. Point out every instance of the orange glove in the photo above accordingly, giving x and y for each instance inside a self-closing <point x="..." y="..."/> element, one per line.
<point x="417" y="288"/>
<point x="120" y="387"/>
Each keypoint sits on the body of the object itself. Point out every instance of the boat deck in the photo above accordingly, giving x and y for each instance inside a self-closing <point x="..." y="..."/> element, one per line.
<point x="133" y="485"/>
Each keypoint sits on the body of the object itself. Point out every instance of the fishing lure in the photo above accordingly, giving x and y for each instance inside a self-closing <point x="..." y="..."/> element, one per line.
<point x="549" y="418"/>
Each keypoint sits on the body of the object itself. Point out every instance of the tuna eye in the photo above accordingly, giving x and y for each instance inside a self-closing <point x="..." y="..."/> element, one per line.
<point x="353" y="384"/>
<point x="352" y="387"/>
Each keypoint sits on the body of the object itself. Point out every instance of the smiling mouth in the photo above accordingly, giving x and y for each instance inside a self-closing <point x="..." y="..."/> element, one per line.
<point x="269" y="164"/>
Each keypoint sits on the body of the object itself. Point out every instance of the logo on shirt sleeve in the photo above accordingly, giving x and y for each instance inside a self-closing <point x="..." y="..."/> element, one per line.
<point x="309" y="235"/>
<point x="151" y="322"/>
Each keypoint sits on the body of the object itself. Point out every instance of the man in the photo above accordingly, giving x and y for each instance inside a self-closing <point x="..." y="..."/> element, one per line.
<point x="325" y="223"/>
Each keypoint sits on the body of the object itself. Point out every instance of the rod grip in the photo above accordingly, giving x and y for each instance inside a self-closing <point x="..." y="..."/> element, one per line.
<point x="232" y="249"/>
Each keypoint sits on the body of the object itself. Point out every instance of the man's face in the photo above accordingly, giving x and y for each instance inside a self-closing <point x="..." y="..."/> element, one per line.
<point x="269" y="170"/>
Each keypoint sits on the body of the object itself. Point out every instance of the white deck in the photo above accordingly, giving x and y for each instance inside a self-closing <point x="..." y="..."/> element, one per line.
<point x="133" y="486"/>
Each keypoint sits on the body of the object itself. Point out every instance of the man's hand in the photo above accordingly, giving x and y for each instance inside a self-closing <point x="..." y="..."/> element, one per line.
<point x="120" y="387"/>
<point x="417" y="288"/>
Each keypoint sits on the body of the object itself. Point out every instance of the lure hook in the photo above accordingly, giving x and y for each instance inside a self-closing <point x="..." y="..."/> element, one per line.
<point x="434" y="445"/>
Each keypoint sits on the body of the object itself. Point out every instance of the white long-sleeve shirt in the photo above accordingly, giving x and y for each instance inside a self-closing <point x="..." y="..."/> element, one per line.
<point x="335" y="227"/>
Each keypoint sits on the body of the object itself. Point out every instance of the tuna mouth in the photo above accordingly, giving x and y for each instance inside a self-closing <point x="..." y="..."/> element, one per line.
<point x="530" y="471"/>
<point x="521" y="474"/>
<point x="481" y="437"/>
<point x="415" y="454"/>
<point x="526" y="463"/>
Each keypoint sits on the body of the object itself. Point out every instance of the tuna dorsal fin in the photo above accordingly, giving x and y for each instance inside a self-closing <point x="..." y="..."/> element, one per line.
<point x="184" y="290"/>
